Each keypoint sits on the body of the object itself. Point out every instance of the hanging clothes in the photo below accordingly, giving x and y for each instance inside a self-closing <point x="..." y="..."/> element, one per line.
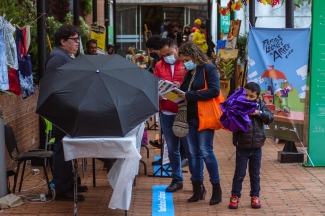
<point x="14" y="85"/>
<point x="24" y="71"/>
<point x="11" y="50"/>
<point x="4" y="81"/>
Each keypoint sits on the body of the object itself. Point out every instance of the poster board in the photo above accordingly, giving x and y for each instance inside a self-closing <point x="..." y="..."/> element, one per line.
<point x="278" y="62"/>
<point x="316" y="129"/>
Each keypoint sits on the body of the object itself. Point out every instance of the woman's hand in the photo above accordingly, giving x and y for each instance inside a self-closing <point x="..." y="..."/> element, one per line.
<point x="177" y="84"/>
<point x="182" y="95"/>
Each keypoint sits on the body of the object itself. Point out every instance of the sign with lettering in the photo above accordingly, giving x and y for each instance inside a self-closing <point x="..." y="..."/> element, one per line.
<point x="316" y="130"/>
<point x="278" y="62"/>
<point x="224" y="23"/>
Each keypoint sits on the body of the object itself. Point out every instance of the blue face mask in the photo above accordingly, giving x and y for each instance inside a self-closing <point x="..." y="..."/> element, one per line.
<point x="170" y="59"/>
<point x="190" y="65"/>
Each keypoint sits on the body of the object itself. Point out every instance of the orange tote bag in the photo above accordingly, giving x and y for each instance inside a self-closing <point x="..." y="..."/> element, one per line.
<point x="209" y="111"/>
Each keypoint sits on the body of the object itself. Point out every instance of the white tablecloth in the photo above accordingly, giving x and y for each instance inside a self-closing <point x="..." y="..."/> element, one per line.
<point x="125" y="149"/>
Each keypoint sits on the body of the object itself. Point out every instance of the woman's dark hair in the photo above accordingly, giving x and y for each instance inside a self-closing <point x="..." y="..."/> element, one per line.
<point x="167" y="41"/>
<point x="64" y="32"/>
<point x="91" y="41"/>
<point x="253" y="87"/>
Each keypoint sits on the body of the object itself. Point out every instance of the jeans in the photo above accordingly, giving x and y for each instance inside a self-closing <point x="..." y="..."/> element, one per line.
<point x="173" y="144"/>
<point x="200" y="144"/>
<point x="62" y="170"/>
<point x="253" y="157"/>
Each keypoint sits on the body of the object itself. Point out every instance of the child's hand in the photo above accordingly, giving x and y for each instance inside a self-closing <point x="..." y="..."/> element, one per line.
<point x="255" y="113"/>
<point x="181" y="95"/>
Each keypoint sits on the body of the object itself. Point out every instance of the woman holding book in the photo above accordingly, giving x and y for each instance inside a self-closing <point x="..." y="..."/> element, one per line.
<point x="200" y="69"/>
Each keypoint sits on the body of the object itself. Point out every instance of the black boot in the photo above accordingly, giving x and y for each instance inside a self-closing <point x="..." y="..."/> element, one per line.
<point x="199" y="191"/>
<point x="216" y="194"/>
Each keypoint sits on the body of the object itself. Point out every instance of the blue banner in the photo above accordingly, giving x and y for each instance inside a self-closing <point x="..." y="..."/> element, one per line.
<point x="278" y="62"/>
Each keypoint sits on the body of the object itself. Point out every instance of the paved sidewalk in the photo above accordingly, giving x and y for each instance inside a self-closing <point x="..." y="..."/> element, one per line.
<point x="286" y="189"/>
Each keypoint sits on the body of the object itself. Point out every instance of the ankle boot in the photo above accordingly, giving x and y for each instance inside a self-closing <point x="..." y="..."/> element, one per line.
<point x="216" y="194"/>
<point x="199" y="191"/>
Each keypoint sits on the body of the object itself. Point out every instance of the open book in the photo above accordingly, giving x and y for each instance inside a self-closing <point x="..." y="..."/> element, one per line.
<point x="172" y="94"/>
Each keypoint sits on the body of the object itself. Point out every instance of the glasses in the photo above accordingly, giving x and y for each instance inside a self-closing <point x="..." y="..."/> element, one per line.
<point x="75" y="39"/>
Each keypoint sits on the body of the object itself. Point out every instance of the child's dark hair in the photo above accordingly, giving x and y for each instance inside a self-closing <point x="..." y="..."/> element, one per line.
<point x="253" y="87"/>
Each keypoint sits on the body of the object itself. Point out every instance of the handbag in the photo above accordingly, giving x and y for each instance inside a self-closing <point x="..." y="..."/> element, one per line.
<point x="180" y="126"/>
<point x="209" y="111"/>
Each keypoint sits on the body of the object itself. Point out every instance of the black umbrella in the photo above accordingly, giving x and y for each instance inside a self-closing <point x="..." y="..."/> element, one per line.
<point x="98" y="95"/>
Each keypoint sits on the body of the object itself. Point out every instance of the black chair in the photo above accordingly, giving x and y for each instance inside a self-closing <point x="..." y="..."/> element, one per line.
<point x="24" y="156"/>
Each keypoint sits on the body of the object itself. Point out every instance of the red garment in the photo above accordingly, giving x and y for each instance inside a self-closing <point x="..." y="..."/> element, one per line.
<point x="22" y="46"/>
<point x="164" y="71"/>
<point x="14" y="85"/>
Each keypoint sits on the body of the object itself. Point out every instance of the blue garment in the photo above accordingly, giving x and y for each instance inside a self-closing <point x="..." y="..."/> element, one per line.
<point x="4" y="80"/>
<point x="201" y="143"/>
<point x="11" y="49"/>
<point x="254" y="157"/>
<point x="62" y="170"/>
<point x="25" y="73"/>
<point x="173" y="144"/>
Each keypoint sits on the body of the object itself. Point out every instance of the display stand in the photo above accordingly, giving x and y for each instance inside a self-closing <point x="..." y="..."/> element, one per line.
<point x="162" y="170"/>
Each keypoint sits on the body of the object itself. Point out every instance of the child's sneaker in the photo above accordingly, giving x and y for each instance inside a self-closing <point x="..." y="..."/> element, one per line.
<point x="234" y="200"/>
<point x="255" y="202"/>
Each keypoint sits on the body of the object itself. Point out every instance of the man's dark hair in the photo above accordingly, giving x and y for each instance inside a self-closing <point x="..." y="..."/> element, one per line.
<point x="253" y="87"/>
<point x="166" y="20"/>
<point x="110" y="46"/>
<point x="202" y="26"/>
<point x="64" y="32"/>
<point x="91" y="41"/>
<point x="175" y="25"/>
<point x="167" y="41"/>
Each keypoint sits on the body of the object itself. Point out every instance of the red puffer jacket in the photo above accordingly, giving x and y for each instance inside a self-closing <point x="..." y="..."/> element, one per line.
<point x="164" y="71"/>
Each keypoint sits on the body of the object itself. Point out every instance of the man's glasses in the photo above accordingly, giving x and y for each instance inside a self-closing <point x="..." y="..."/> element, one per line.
<point x="75" y="39"/>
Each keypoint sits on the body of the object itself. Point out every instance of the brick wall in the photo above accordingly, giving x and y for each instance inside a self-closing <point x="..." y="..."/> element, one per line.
<point x="20" y="114"/>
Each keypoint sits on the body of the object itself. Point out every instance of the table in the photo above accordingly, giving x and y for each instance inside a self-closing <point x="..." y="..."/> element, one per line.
<point x="125" y="149"/>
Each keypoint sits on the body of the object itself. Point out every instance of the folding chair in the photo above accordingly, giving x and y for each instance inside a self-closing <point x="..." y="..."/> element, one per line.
<point x="24" y="156"/>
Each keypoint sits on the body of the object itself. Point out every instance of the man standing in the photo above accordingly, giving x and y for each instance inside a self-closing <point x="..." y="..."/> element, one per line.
<point x="175" y="34"/>
<point x="199" y="38"/>
<point x="66" y="40"/>
<point x="152" y="45"/>
<point x="171" y="69"/>
<point x="91" y="46"/>
<point x="165" y="24"/>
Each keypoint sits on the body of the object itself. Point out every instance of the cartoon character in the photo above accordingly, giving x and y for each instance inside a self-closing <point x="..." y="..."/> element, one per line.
<point x="284" y="92"/>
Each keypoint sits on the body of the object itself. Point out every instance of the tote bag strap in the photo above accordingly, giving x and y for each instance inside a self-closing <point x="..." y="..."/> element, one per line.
<point x="205" y="81"/>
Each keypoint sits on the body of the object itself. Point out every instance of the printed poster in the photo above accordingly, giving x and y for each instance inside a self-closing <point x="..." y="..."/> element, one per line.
<point x="98" y="33"/>
<point x="278" y="62"/>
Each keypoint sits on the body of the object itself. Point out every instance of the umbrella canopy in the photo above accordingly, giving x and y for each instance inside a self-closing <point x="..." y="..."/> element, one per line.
<point x="98" y="95"/>
<point x="273" y="74"/>
<point x="235" y="111"/>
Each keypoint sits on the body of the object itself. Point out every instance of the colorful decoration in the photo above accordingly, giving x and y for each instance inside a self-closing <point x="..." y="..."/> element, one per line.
<point x="234" y="5"/>
<point x="270" y="2"/>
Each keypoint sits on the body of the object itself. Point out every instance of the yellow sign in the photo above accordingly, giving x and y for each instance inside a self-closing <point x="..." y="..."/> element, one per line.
<point x="98" y="33"/>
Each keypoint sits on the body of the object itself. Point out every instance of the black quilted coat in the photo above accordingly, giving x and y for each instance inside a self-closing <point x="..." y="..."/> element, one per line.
<point x="255" y="137"/>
